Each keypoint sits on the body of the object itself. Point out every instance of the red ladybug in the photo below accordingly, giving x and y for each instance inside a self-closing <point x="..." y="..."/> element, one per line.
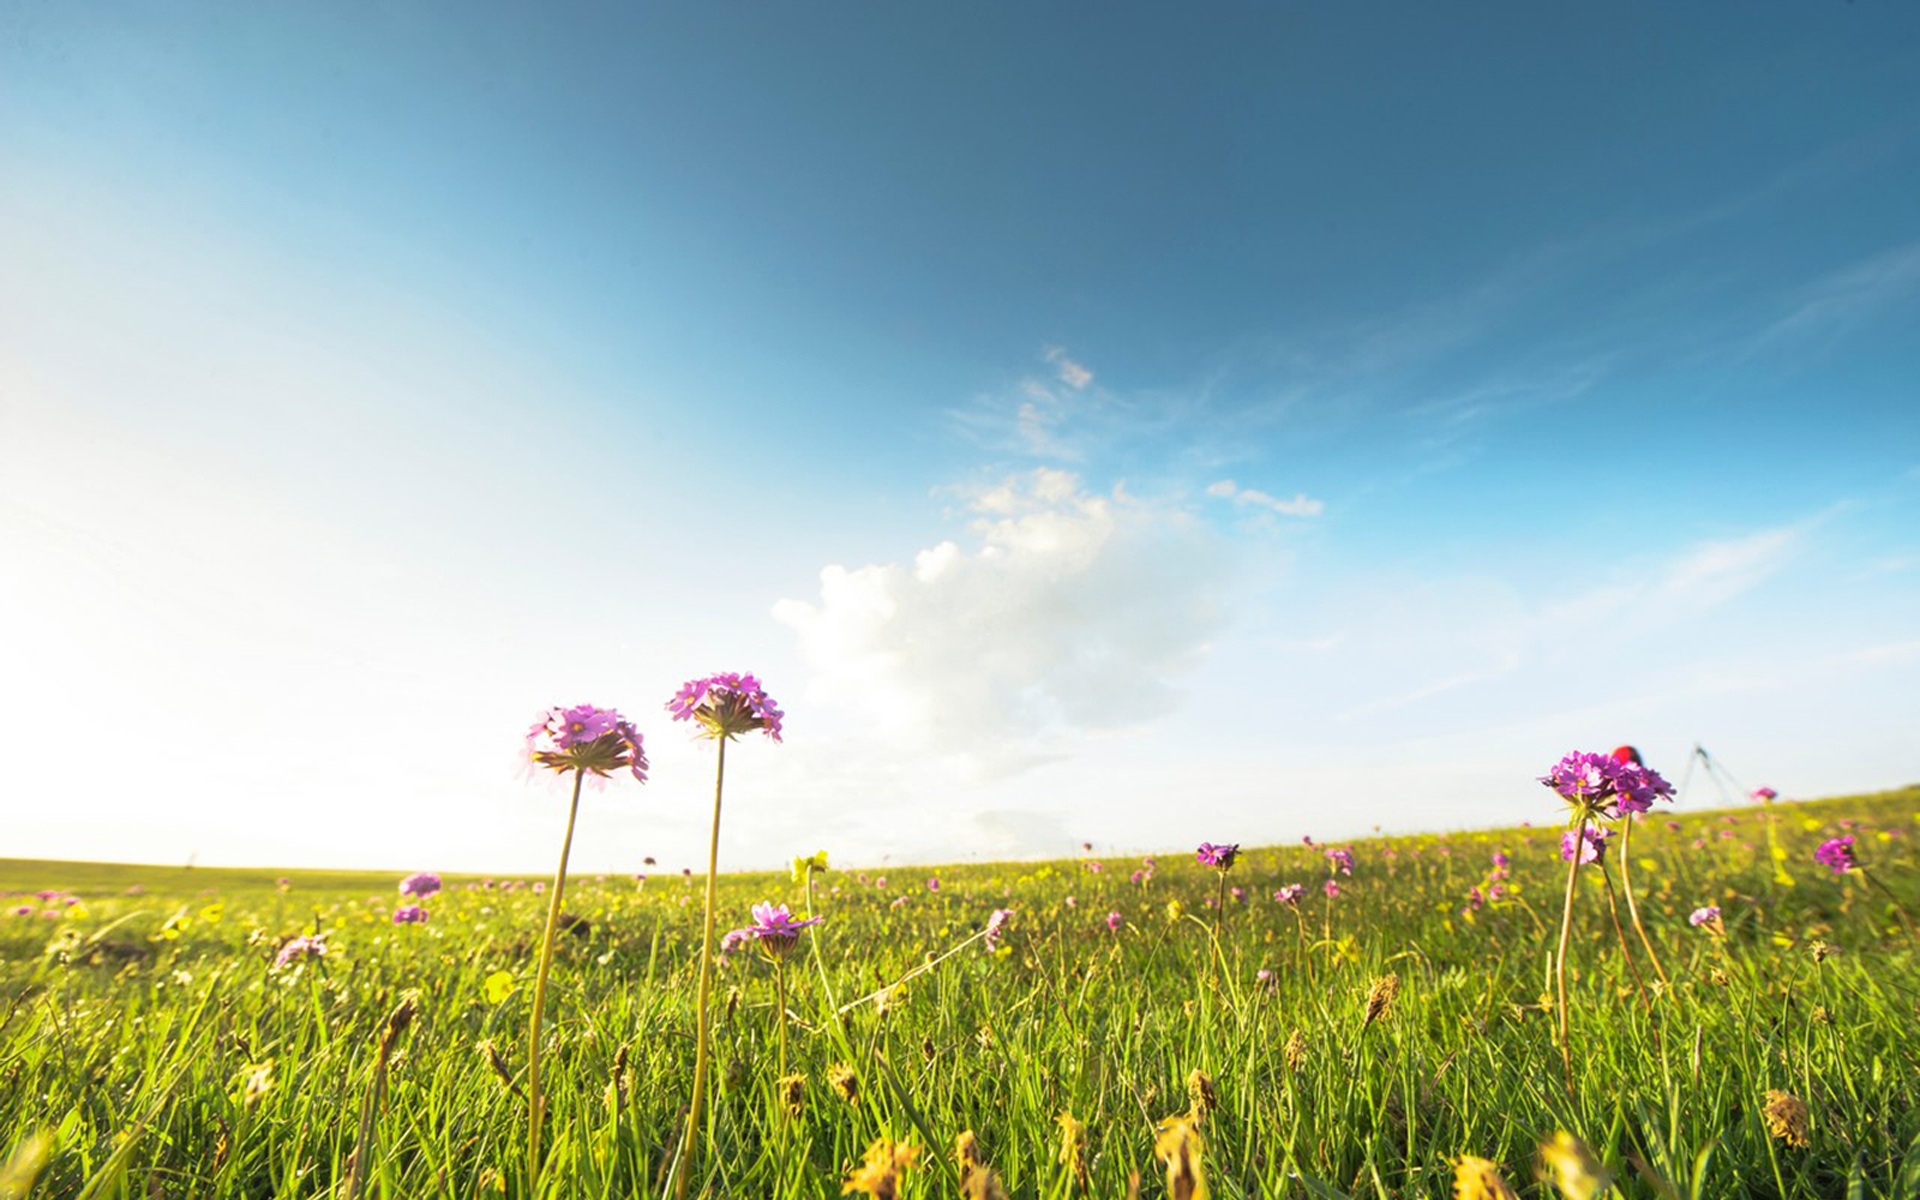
<point x="1627" y="754"/>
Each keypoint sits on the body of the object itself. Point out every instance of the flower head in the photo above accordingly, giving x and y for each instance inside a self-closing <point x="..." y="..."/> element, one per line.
<point x="774" y="928"/>
<point x="1291" y="893"/>
<point x="1765" y="795"/>
<point x="1836" y="854"/>
<point x="595" y="741"/>
<point x="1706" y="914"/>
<point x="727" y="705"/>
<point x="1340" y="860"/>
<point x="421" y="884"/>
<point x="1114" y="920"/>
<point x="1218" y="856"/>
<point x="410" y="914"/>
<point x="802" y="864"/>
<point x="997" y="927"/>
<point x="1636" y="787"/>
<point x="879" y="1173"/>
<point x="300" y="949"/>
<point x="1593" y="843"/>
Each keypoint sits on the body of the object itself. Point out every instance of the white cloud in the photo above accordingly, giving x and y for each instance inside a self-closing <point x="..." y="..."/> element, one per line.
<point x="1073" y="615"/>
<point x="1071" y="373"/>
<point x="1301" y="505"/>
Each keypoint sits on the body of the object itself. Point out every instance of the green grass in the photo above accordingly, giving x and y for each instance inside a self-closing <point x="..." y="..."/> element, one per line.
<point x="130" y="1047"/>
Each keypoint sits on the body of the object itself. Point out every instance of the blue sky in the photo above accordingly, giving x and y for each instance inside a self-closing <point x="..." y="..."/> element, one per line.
<point x="1095" y="423"/>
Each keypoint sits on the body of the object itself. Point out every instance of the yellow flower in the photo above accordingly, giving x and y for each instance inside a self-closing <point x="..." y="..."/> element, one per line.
<point x="818" y="861"/>
<point x="1479" y="1179"/>
<point x="1785" y="1117"/>
<point x="499" y="986"/>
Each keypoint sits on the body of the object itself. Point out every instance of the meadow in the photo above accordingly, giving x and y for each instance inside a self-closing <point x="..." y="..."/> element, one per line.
<point x="1129" y="1021"/>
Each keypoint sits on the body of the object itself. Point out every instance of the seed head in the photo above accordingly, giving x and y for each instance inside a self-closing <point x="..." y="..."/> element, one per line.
<point x="1201" y="1097"/>
<point x="879" y="1173"/>
<point x="792" y="1090"/>
<point x="1380" y="999"/>
<point x="841" y="1078"/>
<point x="1296" y="1050"/>
<point x="1785" y="1116"/>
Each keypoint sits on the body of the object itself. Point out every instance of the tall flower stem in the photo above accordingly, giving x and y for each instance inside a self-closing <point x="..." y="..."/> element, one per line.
<point x="780" y="987"/>
<point x="1560" y="956"/>
<point x="1219" y="915"/>
<point x="1633" y="909"/>
<point x="536" y="1100"/>
<point x="689" y="1143"/>
<point x="1626" y="952"/>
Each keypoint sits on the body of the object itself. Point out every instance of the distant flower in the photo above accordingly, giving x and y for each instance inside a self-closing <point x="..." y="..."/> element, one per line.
<point x="933" y="884"/>
<point x="1331" y="888"/>
<point x="24" y="910"/>
<point x="422" y="884"/>
<point x="1291" y="893"/>
<point x="410" y="914"/>
<point x="1238" y="893"/>
<point x="300" y="949"/>
<point x="1072" y="903"/>
<point x="1837" y="855"/>
<point x="997" y="927"/>
<point x="1148" y="863"/>
<point x="1217" y="856"/>
<point x="1706" y="914"/>
<point x="727" y="705"/>
<point x="774" y="928"/>
<point x="1765" y="795"/>
<point x="595" y="741"/>
<point x="1593" y="845"/>
<point x="1340" y="860"/>
<point x="499" y="986"/>
<point x="1095" y="867"/>
<point x="1114" y="920"/>
<point x="1501" y="861"/>
<point x="1136" y="877"/>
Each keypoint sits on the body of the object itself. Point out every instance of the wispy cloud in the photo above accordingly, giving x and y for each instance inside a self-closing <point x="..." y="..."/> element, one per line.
<point x="1301" y="505"/>
<point x="1841" y="299"/>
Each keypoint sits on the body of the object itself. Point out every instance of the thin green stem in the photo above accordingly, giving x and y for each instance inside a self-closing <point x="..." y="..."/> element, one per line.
<point x="780" y="986"/>
<point x="536" y="1100"/>
<point x="1560" y="955"/>
<point x="689" y="1143"/>
<point x="1633" y="909"/>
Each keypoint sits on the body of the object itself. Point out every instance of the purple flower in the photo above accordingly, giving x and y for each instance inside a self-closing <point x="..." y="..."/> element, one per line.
<point x="1584" y="780"/>
<point x="1332" y="889"/>
<point x="1637" y="787"/>
<point x="1593" y="845"/>
<point x="1340" y="860"/>
<point x="299" y="949"/>
<point x="410" y="914"/>
<point x="1217" y="856"/>
<point x="1705" y="915"/>
<point x="933" y="883"/>
<point x="595" y="741"/>
<point x="1837" y="855"/>
<point x="1239" y="894"/>
<point x="421" y="884"/>
<point x="727" y="705"/>
<point x="1113" y="921"/>
<point x="1095" y="867"/>
<point x="1765" y="795"/>
<point x="24" y="910"/>
<point x="997" y="927"/>
<point x="1136" y="877"/>
<point x="1291" y="893"/>
<point x="776" y="929"/>
<point x="1501" y="861"/>
<point x="1475" y="898"/>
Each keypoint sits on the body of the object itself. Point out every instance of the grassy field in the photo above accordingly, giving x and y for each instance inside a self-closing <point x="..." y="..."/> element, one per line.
<point x="150" y="1045"/>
